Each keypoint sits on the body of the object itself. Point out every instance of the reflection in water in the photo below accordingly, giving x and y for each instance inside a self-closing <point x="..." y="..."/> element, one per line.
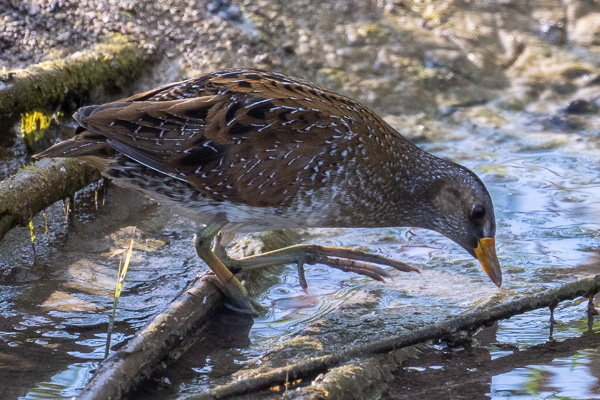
<point x="562" y="378"/>
<point x="494" y="368"/>
<point x="64" y="385"/>
<point x="218" y="354"/>
<point x="569" y="373"/>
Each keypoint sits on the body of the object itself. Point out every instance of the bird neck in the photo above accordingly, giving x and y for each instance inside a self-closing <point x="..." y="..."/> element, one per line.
<point x="391" y="185"/>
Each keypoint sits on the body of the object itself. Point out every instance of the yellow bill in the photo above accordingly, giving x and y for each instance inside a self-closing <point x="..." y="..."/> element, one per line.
<point x="486" y="254"/>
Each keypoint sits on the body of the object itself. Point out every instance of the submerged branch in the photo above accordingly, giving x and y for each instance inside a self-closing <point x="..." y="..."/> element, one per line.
<point x="468" y="321"/>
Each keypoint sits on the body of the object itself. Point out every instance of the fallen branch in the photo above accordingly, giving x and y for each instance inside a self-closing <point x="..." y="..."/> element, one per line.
<point x="34" y="188"/>
<point x="124" y="369"/>
<point x="167" y="335"/>
<point x="468" y="321"/>
<point x="47" y="84"/>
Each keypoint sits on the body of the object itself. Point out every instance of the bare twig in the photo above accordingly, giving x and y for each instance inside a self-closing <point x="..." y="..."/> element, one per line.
<point x="468" y="321"/>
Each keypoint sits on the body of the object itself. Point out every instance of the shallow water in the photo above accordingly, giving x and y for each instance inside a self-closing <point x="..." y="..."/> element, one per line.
<point x="541" y="165"/>
<point x="513" y="359"/>
<point x="547" y="203"/>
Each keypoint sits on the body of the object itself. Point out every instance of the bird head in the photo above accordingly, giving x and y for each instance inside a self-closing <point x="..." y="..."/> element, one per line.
<point x="461" y="209"/>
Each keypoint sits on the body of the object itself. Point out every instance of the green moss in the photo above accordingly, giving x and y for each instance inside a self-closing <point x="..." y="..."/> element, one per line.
<point x="34" y="126"/>
<point x="35" y="187"/>
<point x="512" y="104"/>
<point x="361" y="379"/>
<point x="308" y="342"/>
<point x="43" y="87"/>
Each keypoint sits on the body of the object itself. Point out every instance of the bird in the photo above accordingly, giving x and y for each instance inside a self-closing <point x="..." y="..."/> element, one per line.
<point x="246" y="150"/>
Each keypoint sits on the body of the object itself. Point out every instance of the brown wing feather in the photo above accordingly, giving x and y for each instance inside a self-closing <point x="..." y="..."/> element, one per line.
<point x="88" y="146"/>
<point x="242" y="135"/>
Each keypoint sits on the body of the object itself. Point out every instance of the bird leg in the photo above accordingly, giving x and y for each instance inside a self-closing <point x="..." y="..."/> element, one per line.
<point x="221" y="252"/>
<point x="345" y="259"/>
<point x="226" y="281"/>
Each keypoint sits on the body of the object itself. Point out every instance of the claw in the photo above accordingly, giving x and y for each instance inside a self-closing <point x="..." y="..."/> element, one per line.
<point x="358" y="267"/>
<point x="302" y="276"/>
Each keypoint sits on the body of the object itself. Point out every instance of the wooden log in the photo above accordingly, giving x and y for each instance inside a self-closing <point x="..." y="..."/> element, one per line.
<point x="46" y="85"/>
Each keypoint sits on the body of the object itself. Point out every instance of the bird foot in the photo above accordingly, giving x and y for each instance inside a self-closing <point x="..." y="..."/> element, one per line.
<point x="225" y="267"/>
<point x="231" y="287"/>
<point x="242" y="304"/>
<point x="344" y="259"/>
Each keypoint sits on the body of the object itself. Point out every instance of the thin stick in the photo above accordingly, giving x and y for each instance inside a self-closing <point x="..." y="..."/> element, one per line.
<point x="470" y="320"/>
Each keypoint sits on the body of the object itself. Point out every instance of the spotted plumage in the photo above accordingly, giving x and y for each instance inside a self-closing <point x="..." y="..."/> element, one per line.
<point x="251" y="150"/>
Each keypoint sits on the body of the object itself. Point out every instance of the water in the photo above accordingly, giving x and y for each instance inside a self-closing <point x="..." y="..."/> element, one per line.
<point x="55" y="303"/>
<point x="514" y="359"/>
<point x="541" y="165"/>
<point x="547" y="209"/>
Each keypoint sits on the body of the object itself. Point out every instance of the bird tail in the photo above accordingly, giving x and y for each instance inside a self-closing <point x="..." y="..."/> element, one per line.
<point x="84" y="145"/>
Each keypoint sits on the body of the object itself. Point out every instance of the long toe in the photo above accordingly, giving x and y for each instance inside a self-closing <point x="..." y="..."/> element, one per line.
<point x="370" y="270"/>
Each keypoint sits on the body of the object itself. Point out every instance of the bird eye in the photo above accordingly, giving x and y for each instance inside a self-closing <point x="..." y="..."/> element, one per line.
<point x="478" y="212"/>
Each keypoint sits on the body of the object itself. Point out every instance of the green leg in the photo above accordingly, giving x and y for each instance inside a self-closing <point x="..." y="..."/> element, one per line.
<point x="228" y="283"/>
<point x="344" y="259"/>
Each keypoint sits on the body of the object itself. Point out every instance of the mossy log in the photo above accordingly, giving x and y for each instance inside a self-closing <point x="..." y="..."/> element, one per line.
<point x="46" y="85"/>
<point x="35" y="187"/>
<point x="468" y="321"/>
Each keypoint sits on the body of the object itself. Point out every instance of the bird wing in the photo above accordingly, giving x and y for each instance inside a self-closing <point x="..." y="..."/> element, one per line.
<point x="254" y="141"/>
